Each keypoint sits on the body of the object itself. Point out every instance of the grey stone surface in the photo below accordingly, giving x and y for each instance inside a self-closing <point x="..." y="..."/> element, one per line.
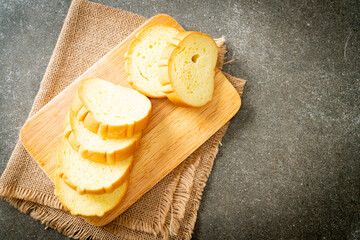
<point x="289" y="166"/>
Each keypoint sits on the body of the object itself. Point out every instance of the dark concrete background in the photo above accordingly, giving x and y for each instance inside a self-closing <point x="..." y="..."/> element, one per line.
<point x="289" y="166"/>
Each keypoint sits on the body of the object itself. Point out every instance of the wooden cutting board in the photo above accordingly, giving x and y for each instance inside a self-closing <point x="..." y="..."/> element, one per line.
<point x="172" y="134"/>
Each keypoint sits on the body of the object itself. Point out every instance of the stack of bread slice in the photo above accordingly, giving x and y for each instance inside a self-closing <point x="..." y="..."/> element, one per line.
<point x="105" y="122"/>
<point x="162" y="62"/>
<point x="95" y="156"/>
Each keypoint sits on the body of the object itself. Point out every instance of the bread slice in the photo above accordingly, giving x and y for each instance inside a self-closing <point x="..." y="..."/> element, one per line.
<point x="187" y="69"/>
<point x="86" y="176"/>
<point x="93" y="147"/>
<point x="109" y="110"/>
<point x="142" y="57"/>
<point x="88" y="205"/>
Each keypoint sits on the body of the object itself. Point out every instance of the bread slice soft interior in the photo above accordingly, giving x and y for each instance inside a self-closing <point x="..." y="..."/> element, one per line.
<point x="88" y="205"/>
<point x="142" y="56"/>
<point x="93" y="147"/>
<point x="86" y="176"/>
<point x="187" y="69"/>
<point x="111" y="111"/>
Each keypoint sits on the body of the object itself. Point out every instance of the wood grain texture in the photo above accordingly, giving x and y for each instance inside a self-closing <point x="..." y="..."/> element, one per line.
<point x="172" y="134"/>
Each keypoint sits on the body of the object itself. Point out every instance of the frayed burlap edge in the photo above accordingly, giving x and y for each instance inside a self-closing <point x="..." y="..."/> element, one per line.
<point x="55" y="220"/>
<point x="181" y="196"/>
<point x="187" y="223"/>
<point x="155" y="227"/>
<point x="26" y="194"/>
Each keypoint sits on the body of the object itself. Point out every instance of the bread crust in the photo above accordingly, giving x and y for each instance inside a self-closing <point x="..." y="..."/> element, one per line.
<point x="107" y="189"/>
<point x="75" y="213"/>
<point x="167" y="57"/>
<point x="98" y="156"/>
<point x="128" y="54"/>
<point x="105" y="130"/>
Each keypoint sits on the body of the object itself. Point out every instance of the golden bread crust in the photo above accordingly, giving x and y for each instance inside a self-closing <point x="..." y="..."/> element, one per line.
<point x="83" y="212"/>
<point x="102" y="190"/>
<point x="105" y="130"/>
<point x="98" y="156"/>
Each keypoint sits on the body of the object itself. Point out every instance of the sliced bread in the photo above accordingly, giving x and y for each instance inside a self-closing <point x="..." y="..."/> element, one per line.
<point x="93" y="147"/>
<point x="142" y="57"/>
<point x="187" y="69"/>
<point x="86" y="176"/>
<point x="88" y="205"/>
<point x="111" y="111"/>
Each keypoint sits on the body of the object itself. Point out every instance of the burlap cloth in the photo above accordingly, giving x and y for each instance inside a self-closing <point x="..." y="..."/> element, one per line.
<point x="169" y="209"/>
